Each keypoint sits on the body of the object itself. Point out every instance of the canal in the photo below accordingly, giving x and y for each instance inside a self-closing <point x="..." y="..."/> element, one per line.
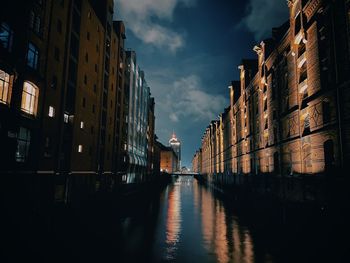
<point x="186" y="222"/>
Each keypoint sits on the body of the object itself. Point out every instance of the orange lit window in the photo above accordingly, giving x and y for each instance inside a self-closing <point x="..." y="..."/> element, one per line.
<point x="30" y="97"/>
<point x="5" y="87"/>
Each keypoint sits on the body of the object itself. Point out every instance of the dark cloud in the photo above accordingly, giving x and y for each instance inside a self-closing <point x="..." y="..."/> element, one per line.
<point x="263" y="15"/>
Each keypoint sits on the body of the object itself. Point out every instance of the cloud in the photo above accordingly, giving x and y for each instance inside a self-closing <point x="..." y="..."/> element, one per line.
<point x="263" y="15"/>
<point x="140" y="16"/>
<point x="186" y="100"/>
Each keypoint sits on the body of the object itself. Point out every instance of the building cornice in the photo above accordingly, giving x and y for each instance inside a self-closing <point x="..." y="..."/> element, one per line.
<point x="311" y="8"/>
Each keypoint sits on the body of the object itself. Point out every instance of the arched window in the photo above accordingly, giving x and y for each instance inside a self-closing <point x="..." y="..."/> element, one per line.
<point x="30" y="97"/>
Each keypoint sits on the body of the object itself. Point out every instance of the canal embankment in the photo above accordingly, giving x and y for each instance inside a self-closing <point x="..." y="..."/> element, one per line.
<point x="310" y="212"/>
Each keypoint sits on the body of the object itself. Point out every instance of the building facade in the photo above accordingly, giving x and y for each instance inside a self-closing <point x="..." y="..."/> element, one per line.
<point x="65" y="98"/>
<point x="168" y="160"/>
<point x="288" y="112"/>
<point x="138" y="109"/>
<point x="175" y="144"/>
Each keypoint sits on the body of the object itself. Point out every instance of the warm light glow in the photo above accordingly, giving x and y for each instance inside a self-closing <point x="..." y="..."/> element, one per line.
<point x="80" y="148"/>
<point x="30" y="97"/>
<point x="5" y="87"/>
<point x="173" y="223"/>
<point x="81" y="125"/>
<point x="303" y="86"/>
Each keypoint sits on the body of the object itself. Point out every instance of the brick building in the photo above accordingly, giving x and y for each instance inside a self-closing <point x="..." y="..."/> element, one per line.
<point x="64" y="97"/>
<point x="288" y="112"/>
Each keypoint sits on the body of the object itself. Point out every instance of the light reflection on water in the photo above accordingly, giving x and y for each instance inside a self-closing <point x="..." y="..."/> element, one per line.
<point x="198" y="228"/>
<point x="173" y="223"/>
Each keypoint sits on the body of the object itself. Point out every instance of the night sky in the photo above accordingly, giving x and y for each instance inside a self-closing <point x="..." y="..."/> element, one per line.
<point x="190" y="50"/>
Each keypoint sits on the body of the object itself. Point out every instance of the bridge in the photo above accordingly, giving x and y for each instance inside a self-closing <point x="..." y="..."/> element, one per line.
<point x="185" y="173"/>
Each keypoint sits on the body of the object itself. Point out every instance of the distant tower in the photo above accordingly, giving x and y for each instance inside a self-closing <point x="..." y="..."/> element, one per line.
<point x="176" y="145"/>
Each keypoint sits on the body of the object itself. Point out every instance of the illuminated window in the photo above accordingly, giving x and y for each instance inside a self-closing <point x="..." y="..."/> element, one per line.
<point x="65" y="118"/>
<point x="30" y="97"/>
<point x="6" y="36"/>
<point x="81" y="125"/>
<point x="80" y="148"/>
<point x="23" y="143"/>
<point x="51" y="112"/>
<point x="5" y="87"/>
<point x="32" y="56"/>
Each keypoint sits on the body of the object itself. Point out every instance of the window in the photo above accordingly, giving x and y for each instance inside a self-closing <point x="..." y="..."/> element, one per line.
<point x="81" y="125"/>
<point x="6" y="35"/>
<point x="51" y="112"/>
<point x="96" y="69"/>
<point x="65" y="118"/>
<point x="23" y="143"/>
<point x="88" y="35"/>
<point x="30" y="97"/>
<point x="95" y="88"/>
<point x="5" y="87"/>
<point x="32" y="56"/>
<point x="85" y="79"/>
<point x="37" y="25"/>
<point x="86" y="57"/>
<point x="80" y="148"/>
<point x="93" y="108"/>
<point x="35" y="22"/>
<point x="31" y="19"/>
<point x="48" y="147"/>
<point x="84" y="102"/>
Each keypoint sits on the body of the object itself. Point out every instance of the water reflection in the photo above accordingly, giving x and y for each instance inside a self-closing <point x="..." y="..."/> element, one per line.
<point x="199" y="228"/>
<point x="173" y="225"/>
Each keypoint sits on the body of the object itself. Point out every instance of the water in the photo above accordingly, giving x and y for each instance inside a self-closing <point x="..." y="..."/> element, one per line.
<point x="190" y="225"/>
<point x="186" y="222"/>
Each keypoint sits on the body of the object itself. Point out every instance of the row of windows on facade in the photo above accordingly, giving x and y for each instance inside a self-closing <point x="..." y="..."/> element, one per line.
<point x="6" y="39"/>
<point x="23" y="145"/>
<point x="30" y="95"/>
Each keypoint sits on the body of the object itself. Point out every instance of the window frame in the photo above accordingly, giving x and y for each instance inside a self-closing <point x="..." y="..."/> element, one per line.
<point x="34" y="51"/>
<point x="5" y="87"/>
<point x="31" y="95"/>
<point x="7" y="44"/>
